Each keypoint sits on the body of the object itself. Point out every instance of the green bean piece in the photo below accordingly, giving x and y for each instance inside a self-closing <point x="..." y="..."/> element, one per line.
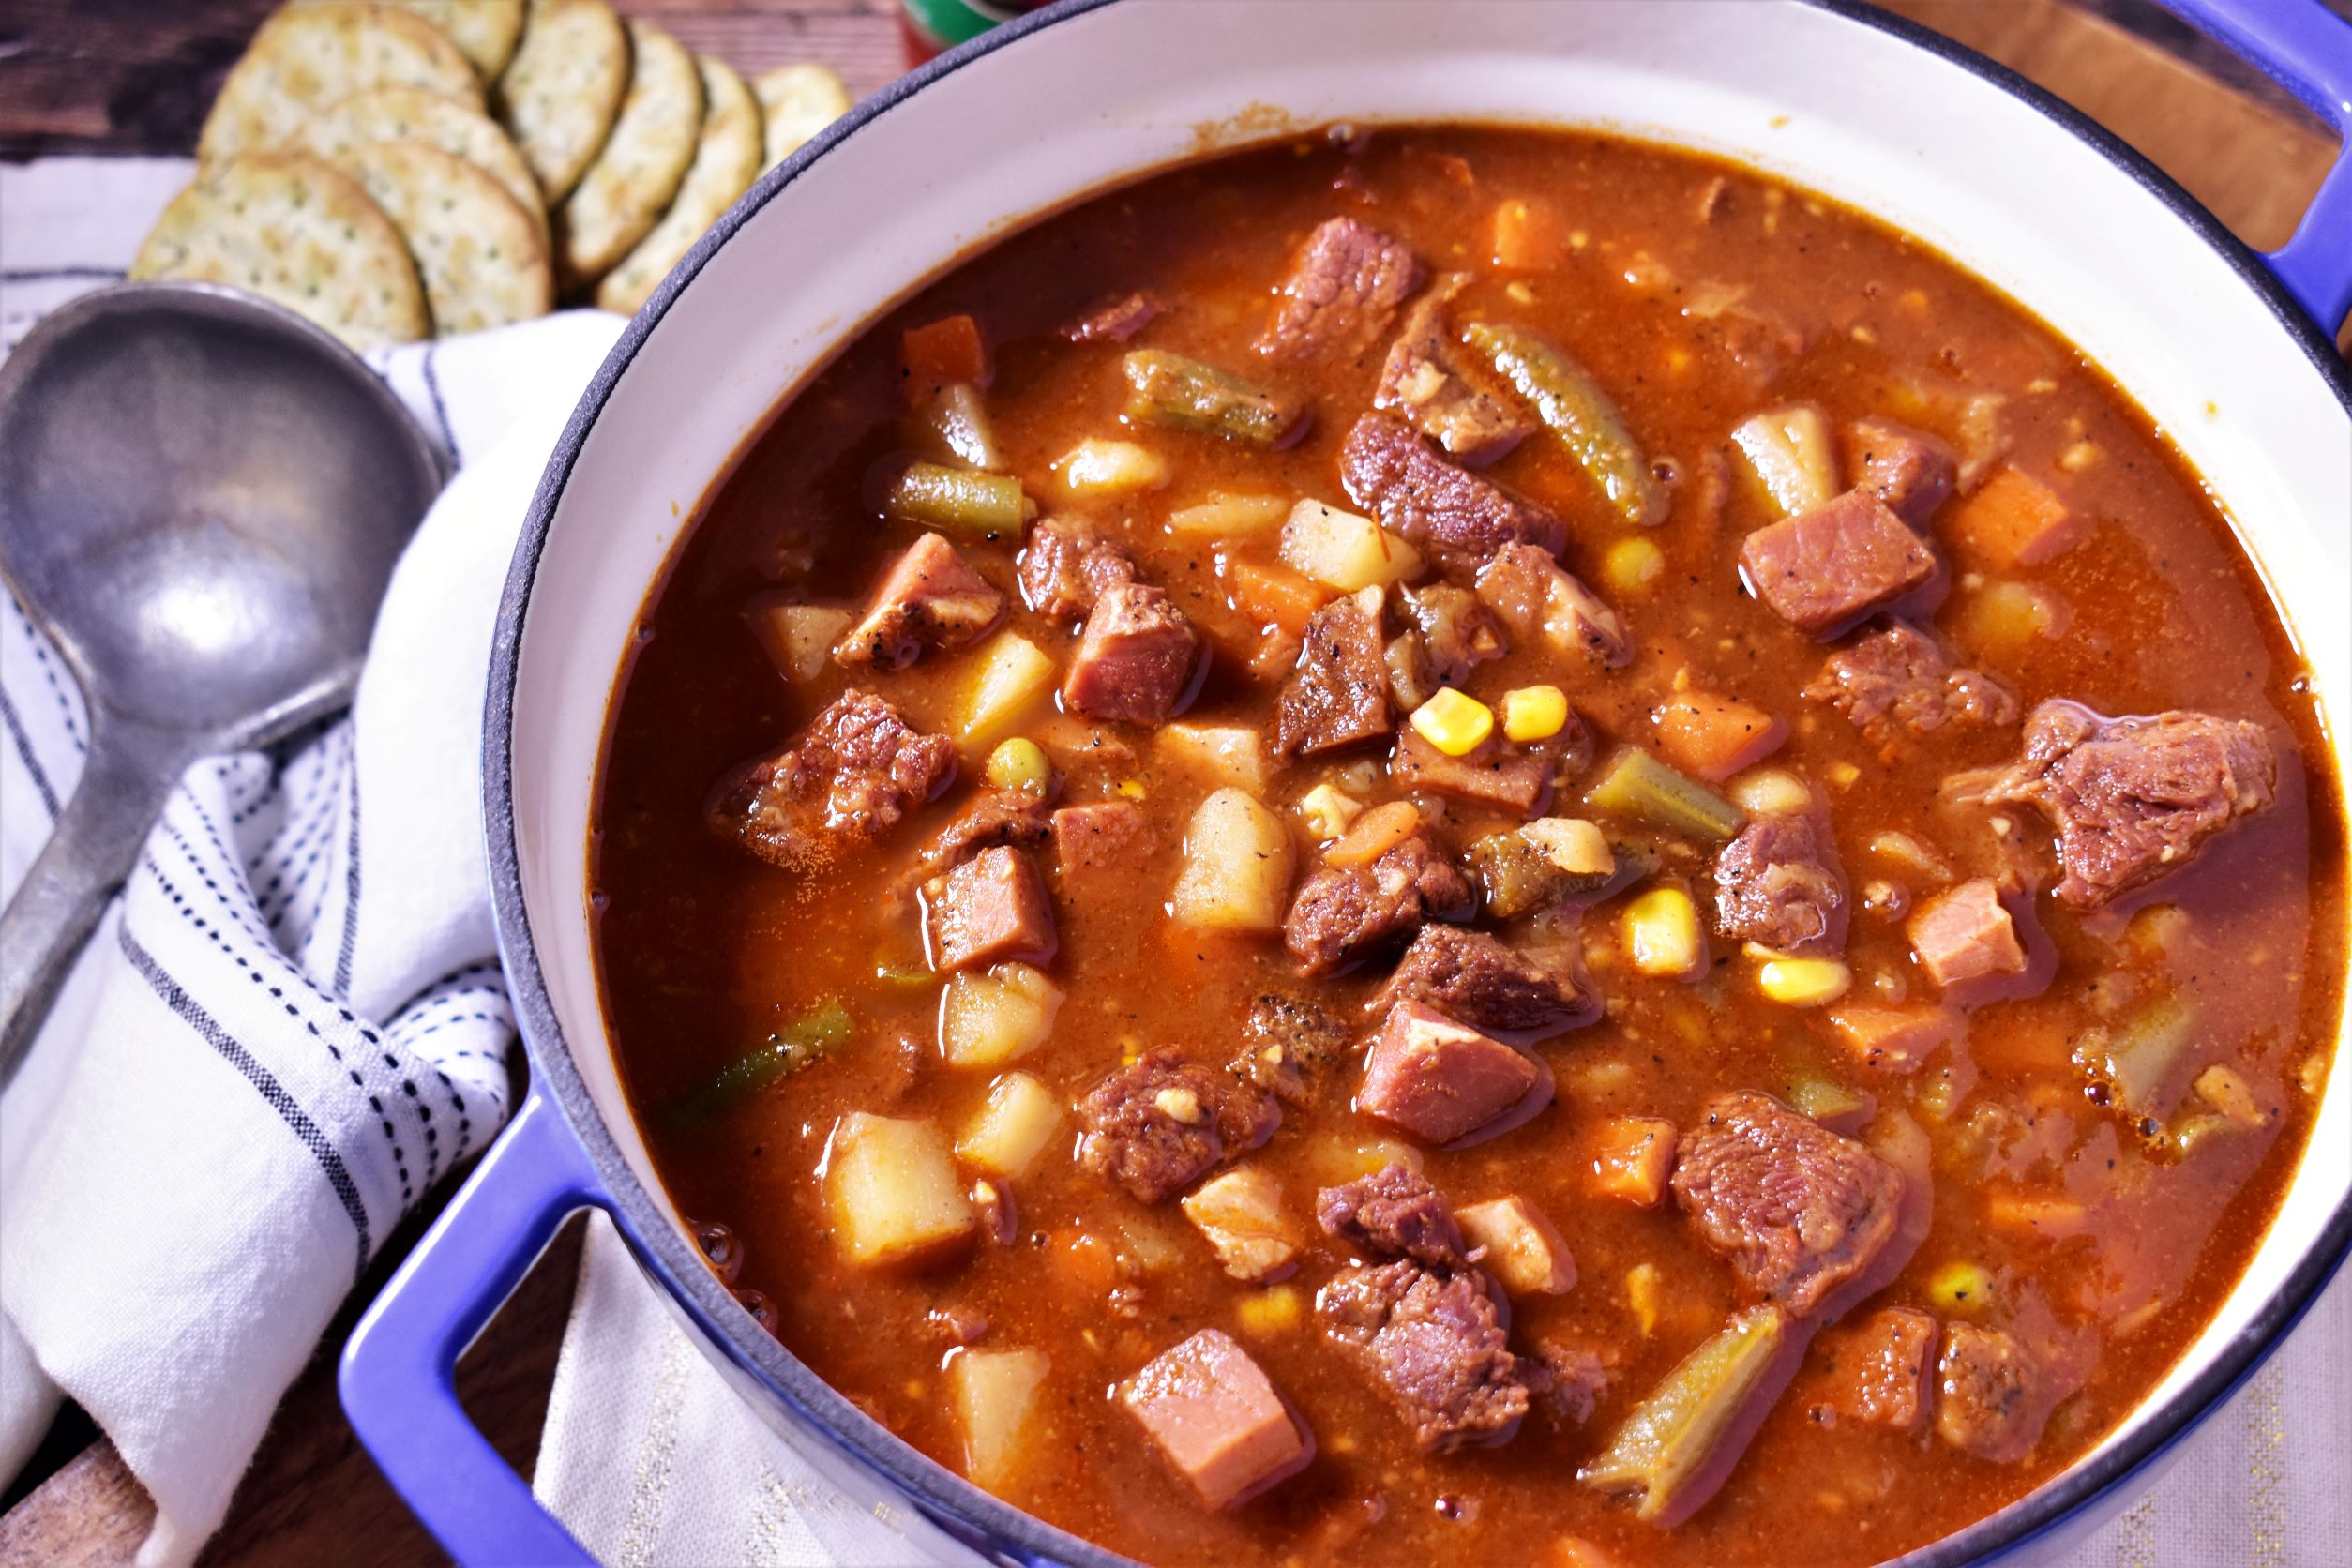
<point x="1572" y="404"/>
<point x="980" y="505"/>
<point x="1185" y="394"/>
<point x="1832" y="1104"/>
<point x="1671" y="1435"/>
<point x="1637" y="787"/>
<point x="805" y="1041"/>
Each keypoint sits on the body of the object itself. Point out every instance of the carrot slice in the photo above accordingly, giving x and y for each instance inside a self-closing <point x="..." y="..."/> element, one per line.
<point x="940" y="352"/>
<point x="2014" y="520"/>
<point x="1715" y="737"/>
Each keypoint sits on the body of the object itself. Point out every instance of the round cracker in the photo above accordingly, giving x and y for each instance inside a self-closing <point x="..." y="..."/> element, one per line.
<point x="726" y="161"/>
<point x="477" y="251"/>
<point x="799" y="101"/>
<point x="294" y="229"/>
<point x="563" y="90"/>
<point x="484" y="31"/>
<point x="305" y="59"/>
<point x="623" y="194"/>
<point x="410" y="115"/>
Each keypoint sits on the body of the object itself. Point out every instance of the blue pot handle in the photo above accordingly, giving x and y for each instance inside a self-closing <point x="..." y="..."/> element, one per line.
<point x="398" y="1378"/>
<point x="2307" y="50"/>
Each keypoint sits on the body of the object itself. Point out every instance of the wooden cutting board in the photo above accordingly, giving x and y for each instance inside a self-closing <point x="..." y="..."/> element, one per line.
<point x="78" y="78"/>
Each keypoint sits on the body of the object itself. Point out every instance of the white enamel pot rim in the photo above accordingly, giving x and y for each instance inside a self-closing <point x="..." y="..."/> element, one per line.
<point x="684" y="390"/>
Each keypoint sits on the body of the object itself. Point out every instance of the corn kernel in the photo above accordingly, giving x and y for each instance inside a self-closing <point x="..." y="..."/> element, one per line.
<point x="1131" y="789"/>
<point x="1274" y="1311"/>
<point x="1535" y="713"/>
<point x="2225" y="1091"/>
<point x="1845" y="775"/>
<point x="1018" y="764"/>
<point x="1804" y="982"/>
<point x="1455" y="723"/>
<point x="1662" y="933"/>
<point x="1112" y="468"/>
<point x="1328" y="810"/>
<point x="1632" y="564"/>
<point x="1961" y="1288"/>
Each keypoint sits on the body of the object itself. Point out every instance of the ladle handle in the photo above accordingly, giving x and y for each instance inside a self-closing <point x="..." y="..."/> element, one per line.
<point x="125" y="781"/>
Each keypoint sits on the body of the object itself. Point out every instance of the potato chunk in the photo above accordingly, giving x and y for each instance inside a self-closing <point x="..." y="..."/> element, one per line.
<point x="1013" y="1127"/>
<point x="799" y="637"/>
<point x="1013" y="676"/>
<point x="1344" y="549"/>
<point x="892" y="1190"/>
<point x="1241" y="1214"/>
<point x="1523" y="1248"/>
<point x="1237" y="865"/>
<point x="1217" y="754"/>
<point x="996" y="1401"/>
<point x="986" y="1020"/>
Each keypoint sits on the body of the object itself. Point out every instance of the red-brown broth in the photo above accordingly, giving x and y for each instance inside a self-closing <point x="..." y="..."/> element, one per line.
<point x="705" y="950"/>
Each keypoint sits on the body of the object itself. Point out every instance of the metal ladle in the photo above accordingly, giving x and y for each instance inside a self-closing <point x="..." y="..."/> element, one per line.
<point x="202" y="498"/>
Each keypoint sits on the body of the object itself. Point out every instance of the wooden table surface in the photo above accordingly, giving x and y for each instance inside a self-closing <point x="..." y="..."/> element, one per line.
<point x="79" y="76"/>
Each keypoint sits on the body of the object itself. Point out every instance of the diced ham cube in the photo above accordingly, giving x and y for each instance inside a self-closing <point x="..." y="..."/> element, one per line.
<point x="1524" y="1248"/>
<point x="1633" y="1157"/>
<point x="1217" y="1419"/>
<point x="929" y="599"/>
<point x="994" y="907"/>
<point x="1965" y="933"/>
<point x="1895" y="1039"/>
<point x="1508" y="777"/>
<point x="1877" y="1371"/>
<point x="1135" y="659"/>
<point x="1103" y="837"/>
<point x="1908" y="470"/>
<point x="1825" y="569"/>
<point x="1444" y="1083"/>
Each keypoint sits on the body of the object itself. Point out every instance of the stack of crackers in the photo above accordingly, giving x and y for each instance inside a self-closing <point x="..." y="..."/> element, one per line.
<point x="405" y="168"/>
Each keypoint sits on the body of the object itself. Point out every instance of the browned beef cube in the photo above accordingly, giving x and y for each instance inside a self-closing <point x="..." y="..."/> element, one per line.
<point x="1454" y="632"/>
<point x="1345" y="285"/>
<point x="1459" y="518"/>
<point x="1435" y="1342"/>
<point x="1287" y="1041"/>
<point x="1135" y="659"/>
<point x="1798" y="1209"/>
<point x="993" y="907"/>
<point x="1392" y="1213"/>
<point x="1910" y="471"/>
<point x="1022" y="818"/>
<point x="1579" y="1376"/>
<point x="1103" y="837"/>
<point x="1498" y="774"/>
<point x="1876" y="1372"/>
<point x="1216" y="1418"/>
<point x="1544" y="603"/>
<point x="1825" y="569"/>
<point x="1965" y="933"/>
<point x="930" y="598"/>
<point x="1429" y="380"/>
<point x="2134" y="798"/>
<point x="1115" y="323"/>
<point x="1066" y="567"/>
<point x="1779" y="883"/>
<point x="1338" y="694"/>
<point x="1345" y="913"/>
<point x="1994" y="1396"/>
<point x="1444" y="1082"/>
<point x="1470" y="976"/>
<point x="855" y="771"/>
<point x="1154" y="1126"/>
<point x="1896" y="680"/>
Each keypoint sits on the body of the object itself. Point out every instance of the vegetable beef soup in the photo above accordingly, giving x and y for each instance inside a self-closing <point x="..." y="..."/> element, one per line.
<point x="1466" y="845"/>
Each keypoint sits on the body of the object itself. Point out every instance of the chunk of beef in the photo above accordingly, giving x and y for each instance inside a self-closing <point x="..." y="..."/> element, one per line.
<point x="1505" y="777"/>
<point x="1797" y="1208"/>
<point x="1965" y="933"/>
<point x="1459" y="518"/>
<point x="1115" y="323"/>
<point x="1910" y="471"/>
<point x="2133" y="798"/>
<point x="1338" y="694"/>
<point x="1579" y="1376"/>
<point x="1470" y="976"/>
<point x="1022" y="818"/>
<point x="994" y="907"/>
<point x="1392" y="1213"/>
<point x="1135" y="659"/>
<point x="855" y="771"/>
<point x="1429" y="381"/>
<point x="1066" y="567"/>
<point x="1437" y="1345"/>
<point x="1896" y="680"/>
<point x="1453" y="633"/>
<point x="1445" y="1083"/>
<point x="1217" y="1419"/>
<point x="1345" y="913"/>
<point x="1994" y="1399"/>
<point x="1286" y="1040"/>
<point x="1102" y="838"/>
<point x="1345" y="285"/>
<point x="1876" y="1372"/>
<point x="1155" y="1125"/>
<point x="1542" y="602"/>
<point x="930" y="598"/>
<point x="1825" y="569"/>
<point x="1779" y="883"/>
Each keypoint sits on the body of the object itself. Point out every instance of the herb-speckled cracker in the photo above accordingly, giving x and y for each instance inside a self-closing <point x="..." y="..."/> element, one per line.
<point x="484" y="31"/>
<point x="478" y="251"/>
<point x="799" y="100"/>
<point x="726" y="162"/>
<point x="304" y="60"/>
<point x="295" y="231"/>
<point x="563" y="90"/>
<point x="407" y="114"/>
<point x="625" y="191"/>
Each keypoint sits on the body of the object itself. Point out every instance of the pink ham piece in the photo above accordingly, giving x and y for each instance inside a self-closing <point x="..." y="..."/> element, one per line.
<point x="1444" y="1083"/>
<point x="929" y="599"/>
<point x="993" y="907"/>
<point x="1823" y="570"/>
<point x="1217" y="1419"/>
<point x="1965" y="933"/>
